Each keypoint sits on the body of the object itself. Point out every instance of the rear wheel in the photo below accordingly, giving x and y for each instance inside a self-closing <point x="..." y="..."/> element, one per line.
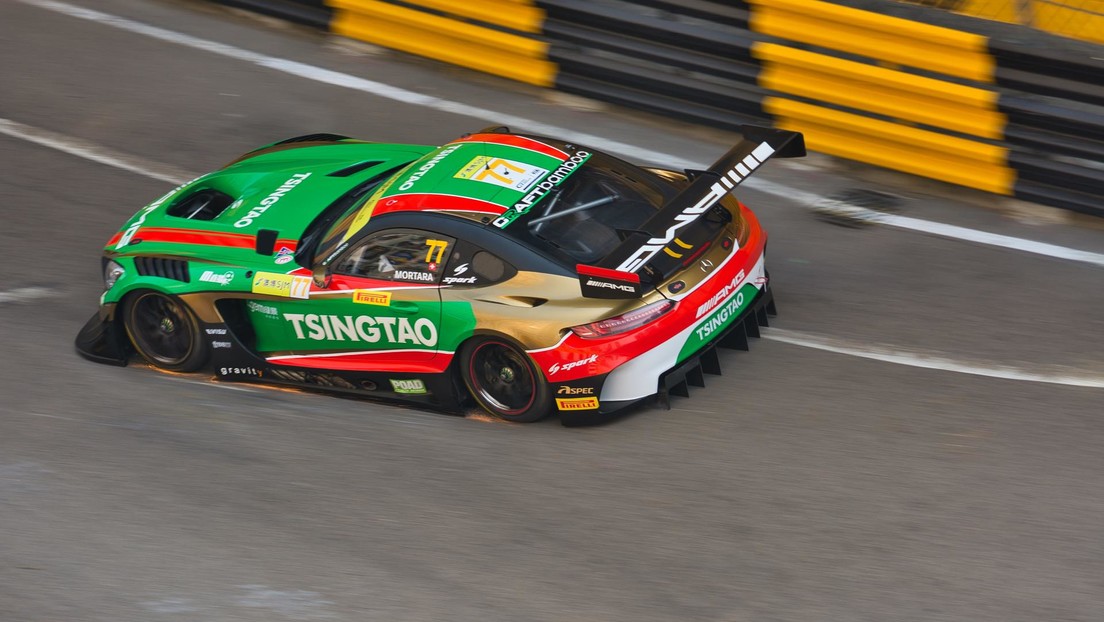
<point x="502" y="378"/>
<point x="164" y="331"/>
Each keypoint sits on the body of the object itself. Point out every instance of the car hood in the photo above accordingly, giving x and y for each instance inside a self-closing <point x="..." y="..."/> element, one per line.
<point x="282" y="191"/>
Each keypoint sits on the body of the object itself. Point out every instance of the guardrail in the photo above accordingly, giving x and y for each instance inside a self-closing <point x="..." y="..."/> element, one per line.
<point x="1015" y="114"/>
<point x="313" y="13"/>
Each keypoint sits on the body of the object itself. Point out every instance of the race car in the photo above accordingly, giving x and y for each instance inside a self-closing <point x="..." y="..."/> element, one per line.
<point x="526" y="274"/>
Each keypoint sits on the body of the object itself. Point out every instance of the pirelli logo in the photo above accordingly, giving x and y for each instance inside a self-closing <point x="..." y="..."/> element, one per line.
<point x="577" y="403"/>
<point x="367" y="297"/>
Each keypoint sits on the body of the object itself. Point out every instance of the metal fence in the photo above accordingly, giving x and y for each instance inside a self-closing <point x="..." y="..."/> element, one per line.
<point x="1078" y="19"/>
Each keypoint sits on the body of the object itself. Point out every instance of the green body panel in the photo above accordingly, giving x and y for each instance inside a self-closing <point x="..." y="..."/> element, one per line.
<point x="336" y="323"/>
<point x="281" y="190"/>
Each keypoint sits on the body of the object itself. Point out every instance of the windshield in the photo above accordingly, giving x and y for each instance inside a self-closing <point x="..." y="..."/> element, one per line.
<point x="591" y="212"/>
<point x="336" y="218"/>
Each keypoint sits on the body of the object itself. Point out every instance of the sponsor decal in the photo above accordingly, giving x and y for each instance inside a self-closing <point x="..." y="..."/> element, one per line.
<point x="566" y="390"/>
<point x="412" y="275"/>
<point x="624" y="287"/>
<point x="577" y="403"/>
<point x="366" y="328"/>
<point x="556" y="367"/>
<point x="239" y="371"/>
<point x="260" y="308"/>
<point x="676" y="287"/>
<point x="284" y="255"/>
<point x="461" y="269"/>
<point x="459" y="280"/>
<point x="218" y="331"/>
<point x="721" y="294"/>
<point x="425" y="168"/>
<point x="502" y="172"/>
<point x="717" y="192"/>
<point x="367" y="297"/>
<point x="271" y="200"/>
<point x="408" y="387"/>
<point x="286" y="285"/>
<point x="220" y="344"/>
<point x="222" y="278"/>
<point x="554" y="179"/>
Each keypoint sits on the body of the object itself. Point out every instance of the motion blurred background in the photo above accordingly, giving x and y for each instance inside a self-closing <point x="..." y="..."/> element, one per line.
<point x="917" y="436"/>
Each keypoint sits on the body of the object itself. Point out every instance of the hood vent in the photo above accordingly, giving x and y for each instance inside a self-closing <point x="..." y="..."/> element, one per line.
<point x="354" y="169"/>
<point x="202" y="205"/>
<point x="175" y="269"/>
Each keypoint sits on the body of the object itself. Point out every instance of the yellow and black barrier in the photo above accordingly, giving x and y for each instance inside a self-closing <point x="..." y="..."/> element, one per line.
<point x="500" y="37"/>
<point x="918" y="98"/>
<point x="999" y="108"/>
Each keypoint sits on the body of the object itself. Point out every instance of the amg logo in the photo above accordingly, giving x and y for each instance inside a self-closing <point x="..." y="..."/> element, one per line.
<point x="717" y="192"/>
<point x="608" y="285"/>
<point x="715" y="299"/>
<point x="223" y="278"/>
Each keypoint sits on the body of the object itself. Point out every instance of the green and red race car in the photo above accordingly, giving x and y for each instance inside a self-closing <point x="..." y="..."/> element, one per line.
<point x="528" y="274"/>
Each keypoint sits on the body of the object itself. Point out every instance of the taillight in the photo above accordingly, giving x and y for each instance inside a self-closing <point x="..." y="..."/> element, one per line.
<point x="625" y="322"/>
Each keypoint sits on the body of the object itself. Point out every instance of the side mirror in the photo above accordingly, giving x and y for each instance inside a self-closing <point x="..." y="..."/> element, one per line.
<point x="322" y="276"/>
<point x="266" y="241"/>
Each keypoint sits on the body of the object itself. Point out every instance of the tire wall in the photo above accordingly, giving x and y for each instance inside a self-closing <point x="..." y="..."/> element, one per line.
<point x="995" y="107"/>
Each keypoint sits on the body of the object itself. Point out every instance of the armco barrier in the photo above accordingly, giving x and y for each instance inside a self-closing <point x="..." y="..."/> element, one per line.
<point x="494" y="36"/>
<point x="944" y="124"/>
<point x="1054" y="102"/>
<point x="976" y="103"/>
<point x="670" y="62"/>
<point x="308" y="12"/>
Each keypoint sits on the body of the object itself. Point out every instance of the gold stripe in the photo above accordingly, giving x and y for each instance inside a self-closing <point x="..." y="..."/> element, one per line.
<point x="921" y="152"/>
<point x="895" y="94"/>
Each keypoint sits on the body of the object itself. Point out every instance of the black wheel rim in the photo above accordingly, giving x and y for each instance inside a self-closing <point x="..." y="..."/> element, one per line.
<point x="502" y="378"/>
<point x="162" y="330"/>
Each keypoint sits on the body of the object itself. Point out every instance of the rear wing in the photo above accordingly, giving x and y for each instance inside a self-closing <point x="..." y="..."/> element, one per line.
<point x="707" y="188"/>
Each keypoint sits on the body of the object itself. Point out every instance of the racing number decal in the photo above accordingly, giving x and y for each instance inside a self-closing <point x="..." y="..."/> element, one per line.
<point x="439" y="246"/>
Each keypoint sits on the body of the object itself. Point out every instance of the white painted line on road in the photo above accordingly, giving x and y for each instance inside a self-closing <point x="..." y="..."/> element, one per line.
<point x="25" y="294"/>
<point x="91" y="151"/>
<point x="901" y="356"/>
<point x="387" y="91"/>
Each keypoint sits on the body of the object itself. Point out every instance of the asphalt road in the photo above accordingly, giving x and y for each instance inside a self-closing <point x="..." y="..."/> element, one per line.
<point x="804" y="485"/>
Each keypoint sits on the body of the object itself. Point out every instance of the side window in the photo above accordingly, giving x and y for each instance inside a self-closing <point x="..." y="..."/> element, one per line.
<point x="406" y="255"/>
<point x="471" y="266"/>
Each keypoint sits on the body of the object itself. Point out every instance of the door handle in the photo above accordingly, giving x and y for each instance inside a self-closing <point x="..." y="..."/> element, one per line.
<point x="404" y="307"/>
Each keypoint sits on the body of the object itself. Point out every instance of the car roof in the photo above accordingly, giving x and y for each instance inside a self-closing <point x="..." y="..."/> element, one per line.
<point x="478" y="176"/>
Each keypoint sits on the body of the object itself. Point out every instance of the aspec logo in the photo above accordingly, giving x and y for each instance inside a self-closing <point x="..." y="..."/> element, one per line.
<point x="556" y="367"/>
<point x="566" y="390"/>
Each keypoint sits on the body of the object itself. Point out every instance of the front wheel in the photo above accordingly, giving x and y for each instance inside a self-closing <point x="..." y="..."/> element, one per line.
<point x="504" y="381"/>
<point x="164" y="331"/>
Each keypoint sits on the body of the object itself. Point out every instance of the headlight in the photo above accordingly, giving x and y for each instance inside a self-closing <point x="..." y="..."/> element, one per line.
<point x="112" y="272"/>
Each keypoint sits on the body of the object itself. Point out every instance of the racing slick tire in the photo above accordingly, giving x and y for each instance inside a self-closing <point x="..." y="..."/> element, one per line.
<point x="164" y="331"/>
<point x="504" y="381"/>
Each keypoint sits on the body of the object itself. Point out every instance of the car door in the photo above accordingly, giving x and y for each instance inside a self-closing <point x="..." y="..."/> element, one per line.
<point x="381" y="309"/>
